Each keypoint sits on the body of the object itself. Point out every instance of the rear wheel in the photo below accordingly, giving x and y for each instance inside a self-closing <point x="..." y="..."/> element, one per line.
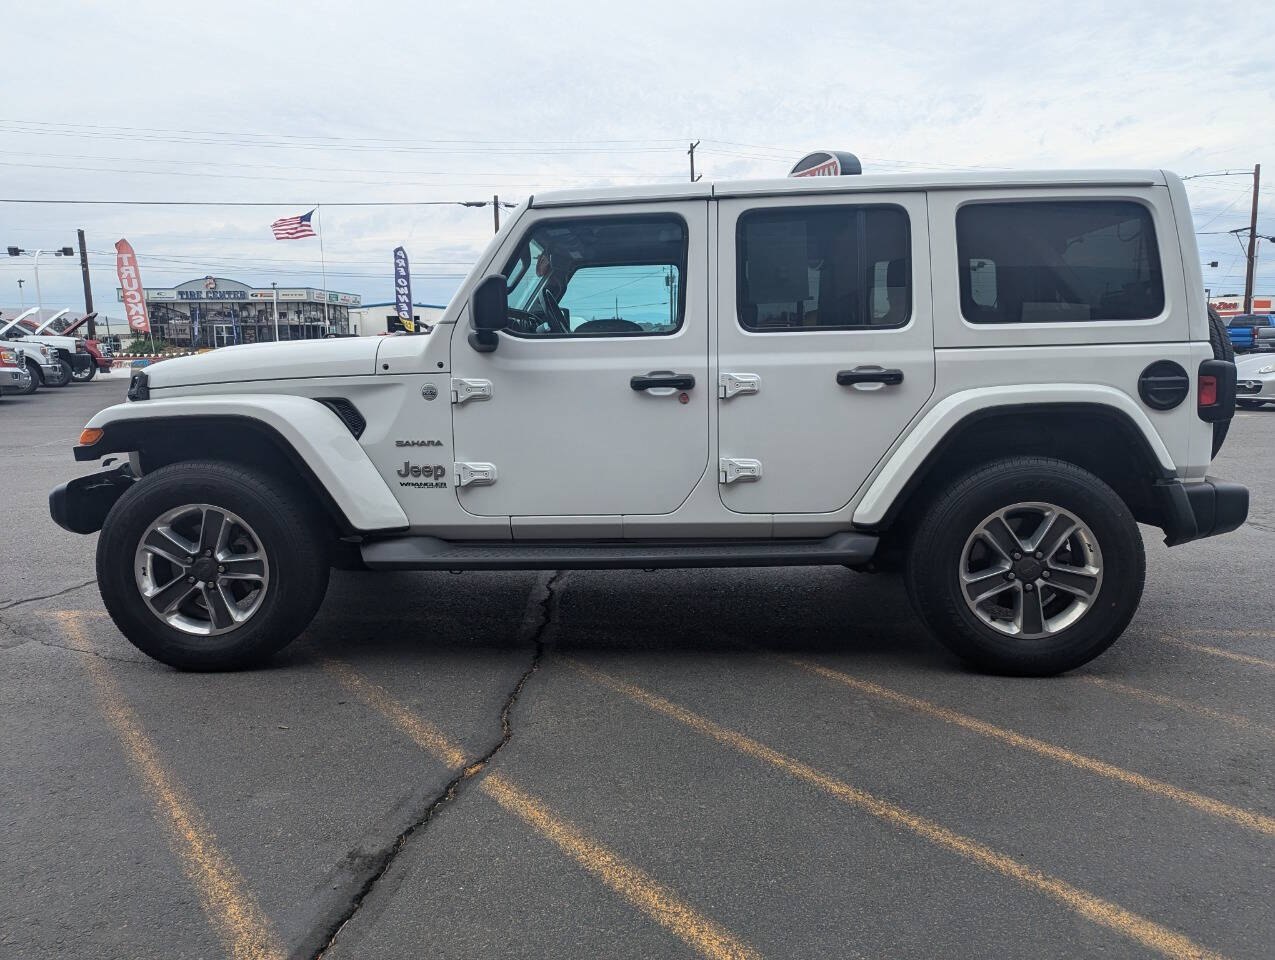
<point x="1027" y="566"/>
<point x="211" y="566"/>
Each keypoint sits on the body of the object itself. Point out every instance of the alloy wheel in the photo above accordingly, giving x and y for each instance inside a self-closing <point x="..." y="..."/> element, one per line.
<point x="202" y="569"/>
<point x="1031" y="570"/>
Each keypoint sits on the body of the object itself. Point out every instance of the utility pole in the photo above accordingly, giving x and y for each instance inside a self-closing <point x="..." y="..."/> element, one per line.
<point x="22" y="296"/>
<point x="1252" y="242"/>
<point x="495" y="212"/>
<point x="88" y="289"/>
<point x="691" y="154"/>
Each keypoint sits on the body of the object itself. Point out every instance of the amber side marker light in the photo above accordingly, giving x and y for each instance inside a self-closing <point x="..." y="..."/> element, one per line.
<point x="90" y="436"/>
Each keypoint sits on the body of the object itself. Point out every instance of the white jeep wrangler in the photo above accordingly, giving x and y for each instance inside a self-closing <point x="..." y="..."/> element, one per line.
<point x="987" y="379"/>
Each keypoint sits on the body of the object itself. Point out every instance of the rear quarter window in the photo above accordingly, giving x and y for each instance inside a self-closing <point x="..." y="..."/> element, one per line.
<point x="1069" y="261"/>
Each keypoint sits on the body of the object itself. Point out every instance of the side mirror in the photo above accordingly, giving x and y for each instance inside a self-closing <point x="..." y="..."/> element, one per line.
<point x="488" y="313"/>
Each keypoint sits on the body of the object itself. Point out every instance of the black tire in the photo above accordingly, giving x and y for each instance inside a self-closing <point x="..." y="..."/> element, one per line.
<point x="291" y="531"/>
<point x="34" y="382"/>
<point x="1223" y="349"/>
<point x="85" y="375"/>
<point x="936" y="556"/>
<point x="65" y="378"/>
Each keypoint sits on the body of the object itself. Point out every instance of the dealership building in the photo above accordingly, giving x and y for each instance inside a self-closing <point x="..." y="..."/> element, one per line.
<point x="216" y="312"/>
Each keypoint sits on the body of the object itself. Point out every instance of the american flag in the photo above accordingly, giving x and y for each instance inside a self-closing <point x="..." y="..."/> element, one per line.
<point x="293" y="228"/>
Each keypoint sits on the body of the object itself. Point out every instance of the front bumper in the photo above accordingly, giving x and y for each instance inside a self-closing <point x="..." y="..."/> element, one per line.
<point x="81" y="362"/>
<point x="1192" y="511"/>
<point x="1255" y="388"/>
<point x="81" y="505"/>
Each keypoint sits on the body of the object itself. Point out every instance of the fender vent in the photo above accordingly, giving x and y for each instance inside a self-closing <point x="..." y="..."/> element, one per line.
<point x="348" y="413"/>
<point x="1163" y="385"/>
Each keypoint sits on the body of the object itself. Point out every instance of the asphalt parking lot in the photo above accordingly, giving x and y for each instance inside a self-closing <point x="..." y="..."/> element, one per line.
<point x="719" y="763"/>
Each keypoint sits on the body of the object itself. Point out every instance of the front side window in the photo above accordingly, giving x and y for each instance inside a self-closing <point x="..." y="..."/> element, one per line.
<point x="823" y="268"/>
<point x="1058" y="261"/>
<point x="600" y="276"/>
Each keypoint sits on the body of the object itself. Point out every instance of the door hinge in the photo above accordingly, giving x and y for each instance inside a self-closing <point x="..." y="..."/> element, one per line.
<point x="465" y="390"/>
<point x="730" y="384"/>
<point x="475" y="474"/>
<point x="734" y="469"/>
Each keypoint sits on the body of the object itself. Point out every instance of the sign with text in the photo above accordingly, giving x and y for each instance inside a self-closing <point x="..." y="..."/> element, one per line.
<point x="403" y="290"/>
<point x="131" y="288"/>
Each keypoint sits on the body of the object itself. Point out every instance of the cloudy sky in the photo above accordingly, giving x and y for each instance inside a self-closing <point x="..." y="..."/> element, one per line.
<point x="293" y="105"/>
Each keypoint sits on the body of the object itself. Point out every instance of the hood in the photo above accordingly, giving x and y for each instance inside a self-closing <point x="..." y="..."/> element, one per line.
<point x="1250" y="363"/>
<point x="289" y="359"/>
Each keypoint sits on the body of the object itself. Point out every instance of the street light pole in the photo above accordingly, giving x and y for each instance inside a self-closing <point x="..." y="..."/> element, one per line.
<point x="21" y="296"/>
<point x="39" y="301"/>
<point x="275" y="287"/>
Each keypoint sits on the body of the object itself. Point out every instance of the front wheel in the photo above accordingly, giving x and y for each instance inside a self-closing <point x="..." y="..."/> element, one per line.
<point x="1027" y="566"/>
<point x="85" y="375"/>
<point x="33" y="381"/>
<point x="63" y="376"/>
<point x="211" y="566"/>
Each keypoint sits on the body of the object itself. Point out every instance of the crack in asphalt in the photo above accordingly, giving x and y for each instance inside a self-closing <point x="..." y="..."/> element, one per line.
<point x="24" y="638"/>
<point x="9" y="604"/>
<point x="380" y="863"/>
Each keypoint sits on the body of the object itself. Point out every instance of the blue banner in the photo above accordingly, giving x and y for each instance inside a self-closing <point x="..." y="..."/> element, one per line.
<point x="403" y="290"/>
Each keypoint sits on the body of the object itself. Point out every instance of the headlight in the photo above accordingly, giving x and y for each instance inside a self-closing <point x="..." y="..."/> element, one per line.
<point x="44" y="351"/>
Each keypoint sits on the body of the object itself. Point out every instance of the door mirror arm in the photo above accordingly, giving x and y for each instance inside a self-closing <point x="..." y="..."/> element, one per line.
<point x="488" y="313"/>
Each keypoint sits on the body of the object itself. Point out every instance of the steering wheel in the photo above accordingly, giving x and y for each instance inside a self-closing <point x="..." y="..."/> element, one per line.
<point x="523" y="321"/>
<point x="553" y="314"/>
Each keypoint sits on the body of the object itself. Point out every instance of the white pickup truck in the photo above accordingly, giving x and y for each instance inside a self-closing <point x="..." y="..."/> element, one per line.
<point x="986" y="380"/>
<point x="66" y="356"/>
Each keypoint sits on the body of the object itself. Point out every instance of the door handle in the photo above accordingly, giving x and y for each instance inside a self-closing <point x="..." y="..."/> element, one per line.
<point x="891" y="378"/>
<point x="663" y="378"/>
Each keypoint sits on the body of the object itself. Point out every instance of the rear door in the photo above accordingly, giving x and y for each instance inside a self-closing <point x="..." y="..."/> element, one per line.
<point x="825" y="344"/>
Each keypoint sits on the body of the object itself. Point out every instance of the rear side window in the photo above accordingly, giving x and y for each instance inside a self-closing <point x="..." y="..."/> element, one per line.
<point x="823" y="268"/>
<point x="1058" y="261"/>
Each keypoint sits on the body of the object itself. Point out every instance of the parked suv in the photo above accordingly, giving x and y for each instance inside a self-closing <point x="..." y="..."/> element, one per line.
<point x="986" y="379"/>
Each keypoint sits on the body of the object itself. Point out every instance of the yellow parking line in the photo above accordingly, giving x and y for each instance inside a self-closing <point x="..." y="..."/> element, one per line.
<point x="1187" y="706"/>
<point x="244" y="930"/>
<point x="1103" y="912"/>
<point x="1219" y="652"/>
<point x="1236" y="815"/>
<point x="633" y="885"/>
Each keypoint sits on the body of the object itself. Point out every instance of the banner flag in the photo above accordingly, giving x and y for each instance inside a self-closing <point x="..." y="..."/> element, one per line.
<point x="403" y="290"/>
<point x="131" y="285"/>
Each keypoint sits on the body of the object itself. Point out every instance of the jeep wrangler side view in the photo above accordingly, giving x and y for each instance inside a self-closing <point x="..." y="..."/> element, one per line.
<point x="984" y="379"/>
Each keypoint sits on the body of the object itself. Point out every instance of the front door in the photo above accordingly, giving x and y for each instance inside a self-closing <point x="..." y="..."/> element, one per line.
<point x="826" y="344"/>
<point x="596" y="400"/>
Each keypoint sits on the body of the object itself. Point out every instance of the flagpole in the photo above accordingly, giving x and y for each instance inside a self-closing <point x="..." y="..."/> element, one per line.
<point x="324" y="267"/>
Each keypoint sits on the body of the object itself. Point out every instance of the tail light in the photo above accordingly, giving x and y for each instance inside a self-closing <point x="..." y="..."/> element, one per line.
<point x="1208" y="390"/>
<point x="1215" y="390"/>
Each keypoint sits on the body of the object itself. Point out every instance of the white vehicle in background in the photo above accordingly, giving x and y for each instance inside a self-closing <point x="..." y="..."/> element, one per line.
<point x="1255" y="379"/>
<point x="67" y="355"/>
<point x="13" y="371"/>
<point x="40" y="362"/>
<point x="985" y="379"/>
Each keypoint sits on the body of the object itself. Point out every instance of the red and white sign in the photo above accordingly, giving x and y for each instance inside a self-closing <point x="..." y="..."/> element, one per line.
<point x="131" y="288"/>
<point x="829" y="168"/>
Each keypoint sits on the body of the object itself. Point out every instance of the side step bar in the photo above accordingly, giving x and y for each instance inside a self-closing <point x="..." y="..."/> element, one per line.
<point x="430" y="553"/>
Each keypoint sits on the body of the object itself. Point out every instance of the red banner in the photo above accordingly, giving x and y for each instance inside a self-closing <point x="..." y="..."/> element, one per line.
<point x="131" y="285"/>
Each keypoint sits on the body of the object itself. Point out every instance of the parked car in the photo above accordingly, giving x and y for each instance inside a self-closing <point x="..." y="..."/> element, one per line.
<point x="1243" y="330"/>
<point x="1264" y="339"/>
<point x="68" y="353"/>
<point x="1255" y="380"/>
<point x="986" y="378"/>
<point x="41" y="363"/>
<point x="13" y="371"/>
<point x="99" y="350"/>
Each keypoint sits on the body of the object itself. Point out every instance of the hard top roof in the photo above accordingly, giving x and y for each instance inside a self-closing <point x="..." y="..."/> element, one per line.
<point x="863" y="183"/>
